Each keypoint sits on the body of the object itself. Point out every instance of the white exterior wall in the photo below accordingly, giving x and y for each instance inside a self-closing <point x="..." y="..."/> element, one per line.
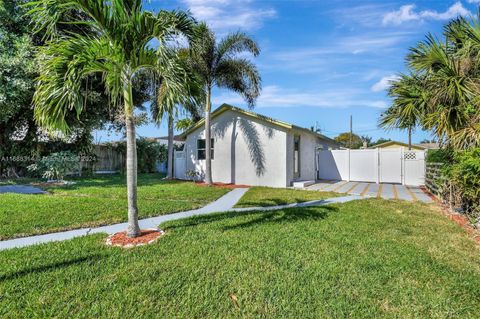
<point x="246" y="151"/>
<point x="308" y="145"/>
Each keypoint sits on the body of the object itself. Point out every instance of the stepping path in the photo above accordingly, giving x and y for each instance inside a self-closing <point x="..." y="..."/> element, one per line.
<point x="223" y="204"/>
<point x="384" y="190"/>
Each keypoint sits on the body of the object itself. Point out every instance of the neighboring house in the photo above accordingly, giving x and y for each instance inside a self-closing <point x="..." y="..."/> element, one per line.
<point x="252" y="149"/>
<point x="429" y="146"/>
<point x="163" y="140"/>
<point x="396" y="144"/>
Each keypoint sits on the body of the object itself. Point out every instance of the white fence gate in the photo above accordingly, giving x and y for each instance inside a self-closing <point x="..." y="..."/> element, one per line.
<point x="394" y="165"/>
<point x="179" y="165"/>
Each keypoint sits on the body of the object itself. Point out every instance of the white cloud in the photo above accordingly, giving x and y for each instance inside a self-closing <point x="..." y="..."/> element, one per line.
<point x="407" y="13"/>
<point x="224" y="15"/>
<point x="365" y="14"/>
<point x="457" y="9"/>
<point x="473" y="1"/>
<point x="384" y="83"/>
<point x="274" y="96"/>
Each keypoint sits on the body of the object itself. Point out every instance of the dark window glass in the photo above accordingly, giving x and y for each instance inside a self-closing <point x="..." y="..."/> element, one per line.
<point x="296" y="156"/>
<point x="201" y="145"/>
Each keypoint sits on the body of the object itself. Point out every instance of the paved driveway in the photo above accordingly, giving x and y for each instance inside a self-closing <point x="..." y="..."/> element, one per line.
<point x="384" y="190"/>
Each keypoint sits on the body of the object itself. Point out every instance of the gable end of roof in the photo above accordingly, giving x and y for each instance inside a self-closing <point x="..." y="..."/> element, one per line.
<point x="227" y="107"/>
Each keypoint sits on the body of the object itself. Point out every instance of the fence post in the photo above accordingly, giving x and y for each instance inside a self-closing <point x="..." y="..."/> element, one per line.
<point x="402" y="165"/>
<point x="377" y="157"/>
<point x="348" y="180"/>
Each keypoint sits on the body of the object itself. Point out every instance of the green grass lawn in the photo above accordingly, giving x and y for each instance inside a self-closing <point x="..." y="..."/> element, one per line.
<point x="363" y="259"/>
<point x="268" y="196"/>
<point x="97" y="201"/>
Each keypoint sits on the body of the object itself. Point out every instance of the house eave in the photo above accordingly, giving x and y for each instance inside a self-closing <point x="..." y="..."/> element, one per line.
<point x="227" y="107"/>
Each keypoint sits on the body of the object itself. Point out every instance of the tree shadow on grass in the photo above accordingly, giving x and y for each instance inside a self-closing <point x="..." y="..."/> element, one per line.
<point x="52" y="266"/>
<point x="288" y="215"/>
<point x="267" y="202"/>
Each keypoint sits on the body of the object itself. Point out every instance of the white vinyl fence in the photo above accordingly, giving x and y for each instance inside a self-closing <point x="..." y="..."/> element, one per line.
<point x="393" y="165"/>
<point x="179" y="165"/>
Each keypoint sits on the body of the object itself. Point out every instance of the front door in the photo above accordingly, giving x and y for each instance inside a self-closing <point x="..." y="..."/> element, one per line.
<point x="296" y="156"/>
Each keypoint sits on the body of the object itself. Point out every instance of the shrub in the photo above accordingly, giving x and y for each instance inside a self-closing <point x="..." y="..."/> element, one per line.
<point x="462" y="178"/>
<point x="55" y="166"/>
<point x="193" y="175"/>
<point x="444" y="155"/>
<point x="148" y="154"/>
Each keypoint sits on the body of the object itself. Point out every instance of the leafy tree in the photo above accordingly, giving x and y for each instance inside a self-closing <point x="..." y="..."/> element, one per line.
<point x="185" y="123"/>
<point x="426" y="140"/>
<point x="380" y="141"/>
<point x="119" y="50"/>
<point x="149" y="153"/>
<point x="352" y="141"/>
<point x="17" y="71"/>
<point x="219" y="64"/>
<point x="20" y="135"/>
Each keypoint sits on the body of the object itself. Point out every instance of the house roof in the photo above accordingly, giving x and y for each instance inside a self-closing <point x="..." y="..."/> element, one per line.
<point x="176" y="138"/>
<point x="227" y="107"/>
<point x="429" y="145"/>
<point x="389" y="143"/>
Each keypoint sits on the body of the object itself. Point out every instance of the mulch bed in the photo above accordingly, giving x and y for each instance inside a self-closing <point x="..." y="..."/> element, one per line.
<point x="147" y="236"/>
<point x="459" y="219"/>
<point x="223" y="185"/>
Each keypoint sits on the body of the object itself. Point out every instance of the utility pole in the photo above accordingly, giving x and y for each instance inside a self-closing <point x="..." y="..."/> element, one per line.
<point x="351" y="132"/>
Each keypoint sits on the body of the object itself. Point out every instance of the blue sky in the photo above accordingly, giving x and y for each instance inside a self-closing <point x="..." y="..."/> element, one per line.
<point x="323" y="60"/>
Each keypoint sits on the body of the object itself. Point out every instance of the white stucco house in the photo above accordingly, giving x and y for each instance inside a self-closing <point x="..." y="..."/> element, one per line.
<point x="252" y="149"/>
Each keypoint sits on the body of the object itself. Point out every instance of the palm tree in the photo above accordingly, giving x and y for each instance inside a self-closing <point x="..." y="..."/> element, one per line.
<point x="118" y="47"/>
<point x="170" y="101"/>
<point x="409" y="101"/>
<point x="451" y="77"/>
<point x="218" y="64"/>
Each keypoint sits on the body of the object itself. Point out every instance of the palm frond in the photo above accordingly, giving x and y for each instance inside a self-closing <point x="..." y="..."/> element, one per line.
<point x="240" y="76"/>
<point x="236" y="43"/>
<point x="63" y="65"/>
<point x="408" y="103"/>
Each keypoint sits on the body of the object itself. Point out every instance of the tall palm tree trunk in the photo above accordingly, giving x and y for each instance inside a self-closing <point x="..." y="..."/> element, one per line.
<point x="170" y="147"/>
<point x="133" y="229"/>
<point x="409" y="138"/>
<point x="208" y="142"/>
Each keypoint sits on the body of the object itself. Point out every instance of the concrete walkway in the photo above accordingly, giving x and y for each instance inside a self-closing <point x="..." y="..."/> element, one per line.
<point x="223" y="204"/>
<point x="384" y="190"/>
<point x="21" y="189"/>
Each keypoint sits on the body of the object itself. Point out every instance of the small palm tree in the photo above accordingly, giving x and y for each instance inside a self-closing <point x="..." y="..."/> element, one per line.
<point x="409" y="102"/>
<point x="118" y="47"/>
<point x="218" y="64"/>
